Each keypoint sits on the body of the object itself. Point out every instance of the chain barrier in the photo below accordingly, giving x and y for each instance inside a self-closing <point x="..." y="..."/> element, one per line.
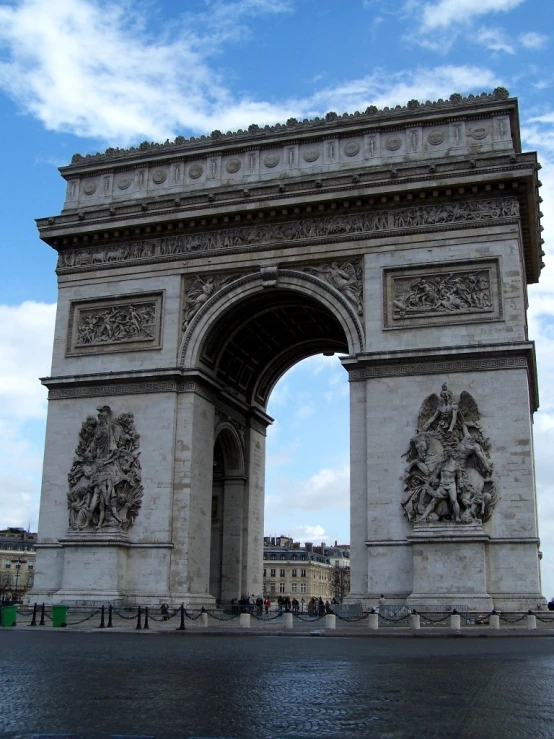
<point x="127" y="618"/>
<point x="310" y="619"/>
<point x="512" y="620"/>
<point x="224" y="617"/>
<point x="24" y="613"/>
<point x="427" y="619"/>
<point x="193" y="618"/>
<point x="352" y="619"/>
<point x="544" y="620"/>
<point x="394" y="620"/>
<point x="267" y="617"/>
<point x="87" y="618"/>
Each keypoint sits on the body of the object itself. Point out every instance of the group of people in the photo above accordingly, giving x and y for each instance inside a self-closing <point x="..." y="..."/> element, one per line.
<point x="258" y="605"/>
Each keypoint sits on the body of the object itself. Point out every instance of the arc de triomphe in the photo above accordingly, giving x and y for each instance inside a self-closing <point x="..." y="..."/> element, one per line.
<point x="193" y="274"/>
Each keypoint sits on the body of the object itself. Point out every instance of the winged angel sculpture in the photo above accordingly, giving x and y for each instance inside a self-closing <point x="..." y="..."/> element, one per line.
<point x="449" y="472"/>
<point x="104" y="480"/>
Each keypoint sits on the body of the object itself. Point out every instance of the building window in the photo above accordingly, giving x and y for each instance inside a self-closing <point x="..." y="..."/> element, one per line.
<point x="272" y="573"/>
<point x="283" y="556"/>
<point x="282" y="573"/>
<point x="303" y="587"/>
<point x="8" y="564"/>
<point x="264" y="571"/>
<point x="272" y="587"/>
<point x="30" y="566"/>
<point x="281" y="587"/>
<point x="294" y="572"/>
<point x="302" y="573"/>
<point x="294" y="587"/>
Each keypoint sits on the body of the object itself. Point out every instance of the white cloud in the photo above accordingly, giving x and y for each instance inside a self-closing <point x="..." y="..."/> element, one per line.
<point x="447" y="13"/>
<point x="494" y="40"/>
<point x="26" y="334"/>
<point x="93" y="70"/>
<point x="327" y="488"/>
<point x="532" y="40"/>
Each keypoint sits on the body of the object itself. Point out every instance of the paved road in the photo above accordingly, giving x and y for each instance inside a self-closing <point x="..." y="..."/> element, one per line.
<point x="101" y="684"/>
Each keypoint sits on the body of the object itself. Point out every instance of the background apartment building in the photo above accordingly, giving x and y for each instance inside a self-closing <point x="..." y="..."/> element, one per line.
<point x="17" y="563"/>
<point x="305" y="572"/>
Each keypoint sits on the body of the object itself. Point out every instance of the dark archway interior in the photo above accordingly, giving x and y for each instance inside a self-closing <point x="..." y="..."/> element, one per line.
<point x="256" y="341"/>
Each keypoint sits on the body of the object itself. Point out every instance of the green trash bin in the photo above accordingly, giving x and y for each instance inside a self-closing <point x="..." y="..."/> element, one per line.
<point x="8" y="615"/>
<point x="59" y="615"/>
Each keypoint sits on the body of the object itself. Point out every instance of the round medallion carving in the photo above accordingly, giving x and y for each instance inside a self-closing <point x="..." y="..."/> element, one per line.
<point x="351" y="148"/>
<point x="196" y="171"/>
<point x="89" y="188"/>
<point x="480" y="132"/>
<point x="393" y="143"/>
<point x="311" y="155"/>
<point x="271" y="160"/>
<point x="159" y="176"/>
<point x="436" y="137"/>
<point x="124" y="183"/>
<point x="233" y="165"/>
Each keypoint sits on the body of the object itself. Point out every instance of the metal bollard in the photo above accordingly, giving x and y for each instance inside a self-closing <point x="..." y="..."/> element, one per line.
<point x="373" y="620"/>
<point x="531" y="621"/>
<point x="494" y="620"/>
<point x="203" y="618"/>
<point x="146" y="626"/>
<point x="181" y="626"/>
<point x="110" y="613"/>
<point x="455" y="621"/>
<point x="244" y="620"/>
<point x="330" y="621"/>
<point x="42" y="614"/>
<point x="287" y="621"/>
<point x="102" y="622"/>
<point x="415" y="621"/>
<point x="34" y="619"/>
<point x="139" y="619"/>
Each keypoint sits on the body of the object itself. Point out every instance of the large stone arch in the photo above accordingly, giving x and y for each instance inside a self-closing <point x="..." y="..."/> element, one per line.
<point x="193" y="274"/>
<point x="324" y="321"/>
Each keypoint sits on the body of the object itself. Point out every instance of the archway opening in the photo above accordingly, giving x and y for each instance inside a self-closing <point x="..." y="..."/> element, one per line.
<point x="247" y="348"/>
<point x="307" y="487"/>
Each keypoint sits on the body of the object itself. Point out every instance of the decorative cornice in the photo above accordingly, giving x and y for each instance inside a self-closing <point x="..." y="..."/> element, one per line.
<point x="505" y="356"/>
<point x="331" y="121"/>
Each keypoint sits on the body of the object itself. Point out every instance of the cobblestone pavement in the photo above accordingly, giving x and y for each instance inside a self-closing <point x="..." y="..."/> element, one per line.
<point x="100" y="684"/>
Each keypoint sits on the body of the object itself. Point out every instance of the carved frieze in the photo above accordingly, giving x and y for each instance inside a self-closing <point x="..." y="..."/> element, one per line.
<point x="105" y="491"/>
<point x="457" y="292"/>
<point x="115" y="324"/>
<point x="448" y="475"/>
<point x="346" y="277"/>
<point x="329" y="228"/>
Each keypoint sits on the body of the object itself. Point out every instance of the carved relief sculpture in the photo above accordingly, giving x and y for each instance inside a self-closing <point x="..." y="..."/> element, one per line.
<point x="346" y="277"/>
<point x="104" y="480"/>
<point x="116" y="324"/>
<point x="446" y="293"/>
<point x="120" y="324"/>
<point x="334" y="227"/>
<point x="449" y="473"/>
<point x="197" y="292"/>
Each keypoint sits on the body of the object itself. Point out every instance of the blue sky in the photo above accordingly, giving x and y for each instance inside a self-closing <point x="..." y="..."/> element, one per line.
<point x="81" y="75"/>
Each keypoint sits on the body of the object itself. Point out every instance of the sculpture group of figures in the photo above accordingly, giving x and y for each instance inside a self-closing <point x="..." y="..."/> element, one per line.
<point x="118" y="323"/>
<point x="449" y="472"/>
<point x="104" y="481"/>
<point x="444" y="293"/>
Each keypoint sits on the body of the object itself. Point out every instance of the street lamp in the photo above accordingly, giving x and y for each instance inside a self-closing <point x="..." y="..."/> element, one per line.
<point x="18" y="564"/>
